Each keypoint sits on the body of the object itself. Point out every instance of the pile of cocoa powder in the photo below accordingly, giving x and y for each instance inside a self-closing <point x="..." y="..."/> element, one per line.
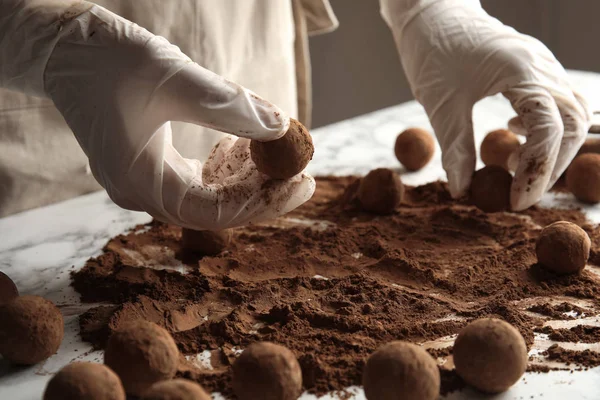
<point x="333" y="283"/>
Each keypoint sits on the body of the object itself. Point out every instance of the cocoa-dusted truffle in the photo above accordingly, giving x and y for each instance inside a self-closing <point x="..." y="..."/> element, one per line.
<point x="490" y="189"/>
<point x="414" y="148"/>
<point x="141" y="353"/>
<point x="583" y="178"/>
<point x="8" y="289"/>
<point x="207" y="243"/>
<point x="490" y="355"/>
<point x="176" y="389"/>
<point x="286" y="156"/>
<point x="563" y="247"/>
<point x="401" y="370"/>
<point x="85" y="381"/>
<point x="267" y="371"/>
<point x="381" y="191"/>
<point x="497" y="148"/>
<point x="31" y="329"/>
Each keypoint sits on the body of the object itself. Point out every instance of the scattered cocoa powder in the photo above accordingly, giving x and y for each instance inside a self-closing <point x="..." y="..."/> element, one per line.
<point x="585" y="358"/>
<point x="335" y="286"/>
<point x="558" y="311"/>
<point x="576" y="334"/>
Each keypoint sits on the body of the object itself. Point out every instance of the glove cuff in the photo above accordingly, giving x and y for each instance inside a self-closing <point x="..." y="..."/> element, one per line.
<point x="29" y="30"/>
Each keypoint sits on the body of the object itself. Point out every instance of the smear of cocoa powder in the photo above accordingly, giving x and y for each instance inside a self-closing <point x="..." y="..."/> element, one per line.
<point x="332" y="282"/>
<point x="576" y="334"/>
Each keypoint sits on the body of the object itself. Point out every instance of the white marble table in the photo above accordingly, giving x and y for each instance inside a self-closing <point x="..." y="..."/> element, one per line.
<point x="39" y="248"/>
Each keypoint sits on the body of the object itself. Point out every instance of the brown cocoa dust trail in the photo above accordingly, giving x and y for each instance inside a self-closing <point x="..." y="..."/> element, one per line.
<point x="333" y="283"/>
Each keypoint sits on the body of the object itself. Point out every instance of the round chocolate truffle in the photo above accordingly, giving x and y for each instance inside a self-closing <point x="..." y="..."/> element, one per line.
<point x="141" y="353"/>
<point x="583" y="178"/>
<point x="8" y="289"/>
<point x="414" y="148"/>
<point x="176" y="389"/>
<point x="490" y="189"/>
<point x="286" y="156"/>
<point x="497" y="148"/>
<point x="490" y="355"/>
<point x="267" y="371"/>
<point x="401" y="370"/>
<point x="381" y="191"/>
<point x="31" y="329"/>
<point x="85" y="381"/>
<point x="207" y="243"/>
<point x="563" y="247"/>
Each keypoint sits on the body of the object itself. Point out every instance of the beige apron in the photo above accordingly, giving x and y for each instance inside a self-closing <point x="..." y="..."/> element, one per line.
<point x="261" y="44"/>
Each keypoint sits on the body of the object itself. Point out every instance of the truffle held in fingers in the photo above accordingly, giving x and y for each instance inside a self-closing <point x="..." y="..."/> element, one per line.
<point x="141" y="353"/>
<point x="267" y="371"/>
<point x="583" y="178"/>
<point x="401" y="370"/>
<point x="563" y="247"/>
<point x="207" y="243"/>
<point x="31" y="329"/>
<point x="8" y="289"/>
<point x="380" y="191"/>
<point x="285" y="157"/>
<point x="85" y="381"/>
<point x="497" y="148"/>
<point x="490" y="189"/>
<point x="176" y="389"/>
<point x="414" y="148"/>
<point x="490" y="355"/>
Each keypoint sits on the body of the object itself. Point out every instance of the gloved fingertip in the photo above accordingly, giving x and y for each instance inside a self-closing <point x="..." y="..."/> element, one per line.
<point x="515" y="125"/>
<point x="303" y="192"/>
<point x="459" y="182"/>
<point x="520" y="201"/>
<point x="272" y="122"/>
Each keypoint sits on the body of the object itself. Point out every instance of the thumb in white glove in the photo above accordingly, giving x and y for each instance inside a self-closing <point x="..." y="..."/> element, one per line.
<point x="454" y="54"/>
<point x="118" y="86"/>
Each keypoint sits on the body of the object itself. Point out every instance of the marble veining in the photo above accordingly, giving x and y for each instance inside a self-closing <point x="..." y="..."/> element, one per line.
<point x="39" y="248"/>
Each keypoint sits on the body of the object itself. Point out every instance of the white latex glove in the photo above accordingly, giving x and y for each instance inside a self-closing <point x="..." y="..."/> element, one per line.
<point x="455" y="54"/>
<point x="118" y="86"/>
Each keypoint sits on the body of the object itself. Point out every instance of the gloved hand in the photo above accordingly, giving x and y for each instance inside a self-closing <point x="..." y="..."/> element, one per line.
<point x="455" y="54"/>
<point x="118" y="86"/>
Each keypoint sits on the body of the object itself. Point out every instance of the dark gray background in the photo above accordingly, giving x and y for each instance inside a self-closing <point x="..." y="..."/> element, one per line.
<point x="356" y="69"/>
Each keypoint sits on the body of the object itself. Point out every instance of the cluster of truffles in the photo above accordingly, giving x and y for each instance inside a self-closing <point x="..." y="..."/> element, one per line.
<point x="31" y="327"/>
<point x="140" y="360"/>
<point x="286" y="156"/>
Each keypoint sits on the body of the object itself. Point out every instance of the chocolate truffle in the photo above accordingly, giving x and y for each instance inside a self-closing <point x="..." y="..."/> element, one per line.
<point x="8" y="289"/>
<point x="583" y="178"/>
<point x="490" y="355"/>
<point x="563" y="247"/>
<point x="490" y="189"/>
<point x="85" y="381"/>
<point x="141" y="353"/>
<point x="400" y="370"/>
<point x="31" y="329"/>
<point x="207" y="243"/>
<point x="286" y="156"/>
<point x="381" y="191"/>
<point x="497" y="148"/>
<point x="591" y="145"/>
<point x="267" y="371"/>
<point x="414" y="148"/>
<point x="176" y="389"/>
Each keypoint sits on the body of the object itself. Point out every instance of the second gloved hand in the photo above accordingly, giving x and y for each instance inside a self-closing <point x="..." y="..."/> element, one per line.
<point x="454" y="54"/>
<point x="118" y="86"/>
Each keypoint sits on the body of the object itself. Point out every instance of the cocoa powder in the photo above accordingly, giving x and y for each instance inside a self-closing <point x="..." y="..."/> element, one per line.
<point x="332" y="282"/>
